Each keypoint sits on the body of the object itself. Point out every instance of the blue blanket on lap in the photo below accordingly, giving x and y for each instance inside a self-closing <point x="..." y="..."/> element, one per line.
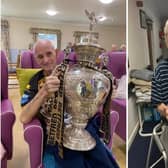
<point x="99" y="157"/>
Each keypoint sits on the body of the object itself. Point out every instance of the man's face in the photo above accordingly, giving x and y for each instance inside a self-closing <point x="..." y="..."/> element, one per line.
<point x="46" y="57"/>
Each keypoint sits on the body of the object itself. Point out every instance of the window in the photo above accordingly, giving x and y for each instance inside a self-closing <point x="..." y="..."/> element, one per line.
<point x="5" y="37"/>
<point x="53" y="35"/>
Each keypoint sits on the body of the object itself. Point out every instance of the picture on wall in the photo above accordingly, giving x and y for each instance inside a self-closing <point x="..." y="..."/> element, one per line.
<point x="142" y="15"/>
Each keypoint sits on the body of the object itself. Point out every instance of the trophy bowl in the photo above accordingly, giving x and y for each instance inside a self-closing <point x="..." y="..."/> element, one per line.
<point x="85" y="91"/>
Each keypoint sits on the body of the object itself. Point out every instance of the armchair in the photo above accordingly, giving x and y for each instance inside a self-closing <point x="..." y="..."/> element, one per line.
<point x="33" y="133"/>
<point x="7" y="114"/>
<point x="117" y="65"/>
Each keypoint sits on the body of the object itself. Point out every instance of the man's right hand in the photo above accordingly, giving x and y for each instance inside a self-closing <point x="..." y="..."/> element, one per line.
<point x="166" y="113"/>
<point x="163" y="109"/>
<point x="52" y="84"/>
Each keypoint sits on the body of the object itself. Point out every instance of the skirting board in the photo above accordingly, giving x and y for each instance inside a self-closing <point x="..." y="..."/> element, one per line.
<point x="133" y="134"/>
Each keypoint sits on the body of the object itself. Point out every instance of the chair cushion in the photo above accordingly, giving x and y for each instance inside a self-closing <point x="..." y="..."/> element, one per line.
<point x="117" y="63"/>
<point x="24" y="75"/>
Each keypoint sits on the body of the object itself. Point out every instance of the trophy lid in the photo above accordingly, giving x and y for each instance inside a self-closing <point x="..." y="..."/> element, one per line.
<point x="88" y="49"/>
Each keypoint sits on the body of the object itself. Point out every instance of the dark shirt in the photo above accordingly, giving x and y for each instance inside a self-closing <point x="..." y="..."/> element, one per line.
<point x="32" y="88"/>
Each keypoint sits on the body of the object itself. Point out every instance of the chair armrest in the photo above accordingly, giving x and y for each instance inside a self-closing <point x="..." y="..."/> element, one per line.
<point x="114" y="118"/>
<point x="33" y="135"/>
<point x="7" y="122"/>
<point x="6" y="106"/>
<point x="119" y="105"/>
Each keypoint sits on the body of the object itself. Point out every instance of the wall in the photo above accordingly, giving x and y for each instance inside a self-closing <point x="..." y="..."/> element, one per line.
<point x="20" y="36"/>
<point x="137" y="41"/>
<point x="151" y="11"/>
<point x="138" y="52"/>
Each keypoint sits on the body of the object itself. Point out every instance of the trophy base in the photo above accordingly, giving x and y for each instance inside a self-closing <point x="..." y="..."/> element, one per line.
<point x="78" y="139"/>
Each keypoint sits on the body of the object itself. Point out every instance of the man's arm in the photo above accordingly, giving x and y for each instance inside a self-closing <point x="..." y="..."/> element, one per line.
<point x="31" y="109"/>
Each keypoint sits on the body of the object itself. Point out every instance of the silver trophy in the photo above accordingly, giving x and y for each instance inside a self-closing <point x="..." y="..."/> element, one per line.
<point x="86" y="90"/>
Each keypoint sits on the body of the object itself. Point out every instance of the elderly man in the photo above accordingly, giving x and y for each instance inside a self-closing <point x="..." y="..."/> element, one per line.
<point x="160" y="83"/>
<point x="41" y="87"/>
<point x="160" y="91"/>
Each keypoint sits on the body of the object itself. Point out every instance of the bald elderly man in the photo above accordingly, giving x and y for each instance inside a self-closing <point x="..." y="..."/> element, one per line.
<point x="34" y="101"/>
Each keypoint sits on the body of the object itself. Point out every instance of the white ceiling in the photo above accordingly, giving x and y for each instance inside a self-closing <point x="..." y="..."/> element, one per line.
<point x="69" y="10"/>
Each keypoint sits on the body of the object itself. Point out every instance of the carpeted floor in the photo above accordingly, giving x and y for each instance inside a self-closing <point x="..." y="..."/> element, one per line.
<point x="138" y="151"/>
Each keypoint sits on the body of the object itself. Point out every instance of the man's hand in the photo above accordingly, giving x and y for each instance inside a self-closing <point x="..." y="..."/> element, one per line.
<point x="52" y="84"/>
<point x="166" y="113"/>
<point x="163" y="109"/>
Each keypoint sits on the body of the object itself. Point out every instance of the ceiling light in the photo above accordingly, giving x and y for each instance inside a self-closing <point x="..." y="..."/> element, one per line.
<point x="51" y="12"/>
<point x="106" y="1"/>
<point x="102" y="18"/>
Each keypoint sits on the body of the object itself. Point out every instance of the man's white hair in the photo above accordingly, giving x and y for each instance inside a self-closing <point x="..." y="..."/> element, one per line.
<point x="42" y="42"/>
<point x="166" y="27"/>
